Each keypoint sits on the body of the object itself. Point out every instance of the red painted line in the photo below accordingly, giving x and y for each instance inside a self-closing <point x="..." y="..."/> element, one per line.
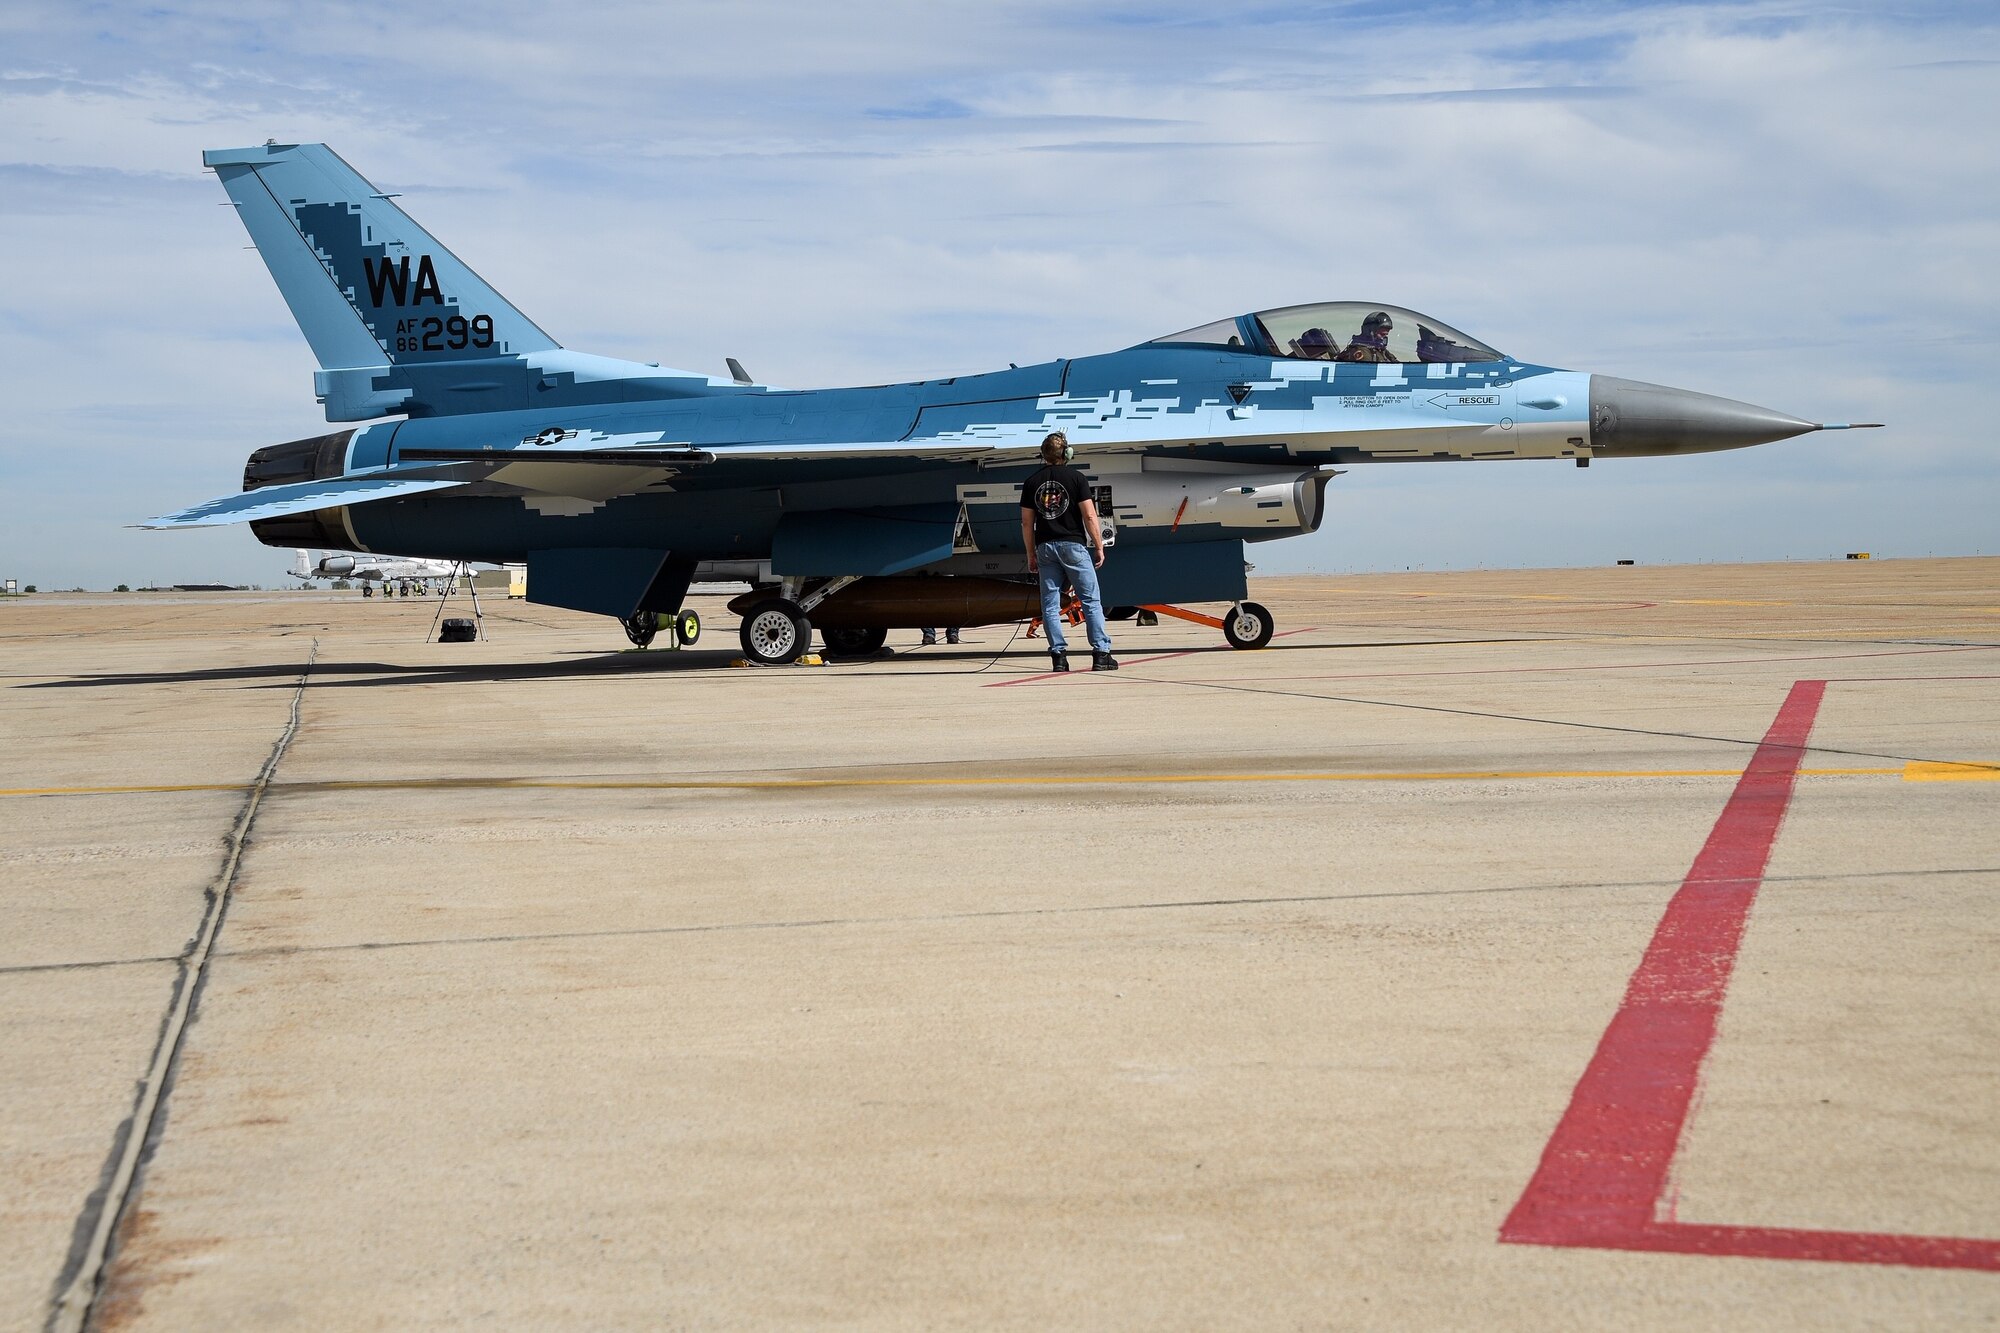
<point x="1130" y="661"/>
<point x="1604" y="1171"/>
<point x="1607" y="1163"/>
<point x="1831" y="1247"/>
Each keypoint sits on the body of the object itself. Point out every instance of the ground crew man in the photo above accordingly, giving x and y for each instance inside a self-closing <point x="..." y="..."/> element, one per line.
<point x="1057" y="517"/>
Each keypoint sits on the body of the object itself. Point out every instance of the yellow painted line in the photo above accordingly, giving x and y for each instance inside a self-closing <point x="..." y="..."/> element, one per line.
<point x="1549" y="597"/>
<point x="1042" y="780"/>
<point x="1921" y="771"/>
<point x="122" y="791"/>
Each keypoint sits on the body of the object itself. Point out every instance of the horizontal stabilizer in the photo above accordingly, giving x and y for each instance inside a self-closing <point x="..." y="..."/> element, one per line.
<point x="298" y="498"/>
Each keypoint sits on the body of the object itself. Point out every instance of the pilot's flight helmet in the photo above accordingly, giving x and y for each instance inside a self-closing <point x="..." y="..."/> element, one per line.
<point x="1378" y="321"/>
<point x="1316" y="342"/>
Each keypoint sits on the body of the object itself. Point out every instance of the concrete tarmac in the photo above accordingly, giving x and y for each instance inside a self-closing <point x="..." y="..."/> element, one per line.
<point x="1486" y="952"/>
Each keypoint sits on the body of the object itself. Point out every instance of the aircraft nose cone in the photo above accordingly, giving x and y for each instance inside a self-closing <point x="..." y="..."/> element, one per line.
<point x="1629" y="418"/>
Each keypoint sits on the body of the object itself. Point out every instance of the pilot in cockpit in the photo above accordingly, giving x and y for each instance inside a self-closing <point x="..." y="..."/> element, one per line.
<point x="1372" y="343"/>
<point x="1314" y="345"/>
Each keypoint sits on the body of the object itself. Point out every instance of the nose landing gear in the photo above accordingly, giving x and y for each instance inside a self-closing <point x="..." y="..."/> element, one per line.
<point x="1248" y="625"/>
<point x="1245" y="625"/>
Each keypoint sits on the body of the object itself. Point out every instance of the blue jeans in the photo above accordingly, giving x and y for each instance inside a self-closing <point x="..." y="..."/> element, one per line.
<point x="1054" y="561"/>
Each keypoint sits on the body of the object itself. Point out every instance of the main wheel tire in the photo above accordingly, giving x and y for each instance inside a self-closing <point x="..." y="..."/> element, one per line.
<point x="687" y="628"/>
<point x="1121" y="613"/>
<point x="641" y="627"/>
<point x="775" y="632"/>
<point x="854" y="642"/>
<point x="1249" y="626"/>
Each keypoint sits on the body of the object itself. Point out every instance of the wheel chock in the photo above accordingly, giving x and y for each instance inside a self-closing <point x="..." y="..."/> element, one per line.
<point x="804" y="659"/>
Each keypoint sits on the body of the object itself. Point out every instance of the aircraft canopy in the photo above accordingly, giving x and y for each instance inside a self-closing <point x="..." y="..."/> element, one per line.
<point x="1341" y="331"/>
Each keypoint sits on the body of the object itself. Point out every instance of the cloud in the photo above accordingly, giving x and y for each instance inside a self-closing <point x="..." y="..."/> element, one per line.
<point x="1772" y="202"/>
<point x="1542" y="93"/>
<point x="937" y="108"/>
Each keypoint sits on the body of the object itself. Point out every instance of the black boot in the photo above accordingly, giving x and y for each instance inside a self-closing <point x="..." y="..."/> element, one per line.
<point x="1103" y="662"/>
<point x="1058" y="661"/>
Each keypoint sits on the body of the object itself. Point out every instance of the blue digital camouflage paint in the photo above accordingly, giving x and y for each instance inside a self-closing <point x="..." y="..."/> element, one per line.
<point x="618" y="483"/>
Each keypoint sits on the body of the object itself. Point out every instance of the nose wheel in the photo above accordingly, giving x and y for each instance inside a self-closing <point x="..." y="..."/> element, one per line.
<point x="1248" y="625"/>
<point x="1244" y="625"/>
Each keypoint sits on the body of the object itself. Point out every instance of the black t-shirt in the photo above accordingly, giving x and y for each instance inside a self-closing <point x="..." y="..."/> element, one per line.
<point x="1056" y="494"/>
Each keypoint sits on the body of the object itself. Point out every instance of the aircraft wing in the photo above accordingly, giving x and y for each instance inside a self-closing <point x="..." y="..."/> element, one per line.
<point x="954" y="451"/>
<point x="683" y="456"/>
<point x="296" y="498"/>
<point x="599" y="473"/>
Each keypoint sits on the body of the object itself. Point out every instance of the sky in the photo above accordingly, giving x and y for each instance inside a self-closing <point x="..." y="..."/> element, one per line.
<point x="1786" y="203"/>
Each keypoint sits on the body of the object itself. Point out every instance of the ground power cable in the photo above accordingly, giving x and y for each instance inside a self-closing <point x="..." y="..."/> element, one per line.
<point x="1065" y="909"/>
<point x="1522" y="717"/>
<point x="991" y="662"/>
<point x="73" y="1305"/>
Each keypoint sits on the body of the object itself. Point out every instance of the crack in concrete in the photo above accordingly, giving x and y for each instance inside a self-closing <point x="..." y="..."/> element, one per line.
<point x="78" y="1284"/>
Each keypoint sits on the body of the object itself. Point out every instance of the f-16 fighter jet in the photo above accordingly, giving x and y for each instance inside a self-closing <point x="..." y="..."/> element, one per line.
<point x="872" y="508"/>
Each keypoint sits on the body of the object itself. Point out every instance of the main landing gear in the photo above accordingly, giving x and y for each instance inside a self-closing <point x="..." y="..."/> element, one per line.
<point x="854" y="642"/>
<point x="775" y="630"/>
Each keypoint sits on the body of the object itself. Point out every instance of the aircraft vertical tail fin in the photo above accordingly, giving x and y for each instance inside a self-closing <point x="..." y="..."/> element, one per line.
<point x="367" y="285"/>
<point x="302" y="564"/>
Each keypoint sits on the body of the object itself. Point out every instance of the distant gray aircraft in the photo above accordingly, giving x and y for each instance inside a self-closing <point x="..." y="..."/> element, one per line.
<point x="886" y="507"/>
<point x="364" y="568"/>
<point x="408" y="575"/>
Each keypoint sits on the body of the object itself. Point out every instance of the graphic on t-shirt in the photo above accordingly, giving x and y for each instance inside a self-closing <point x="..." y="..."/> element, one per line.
<point x="1051" y="500"/>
